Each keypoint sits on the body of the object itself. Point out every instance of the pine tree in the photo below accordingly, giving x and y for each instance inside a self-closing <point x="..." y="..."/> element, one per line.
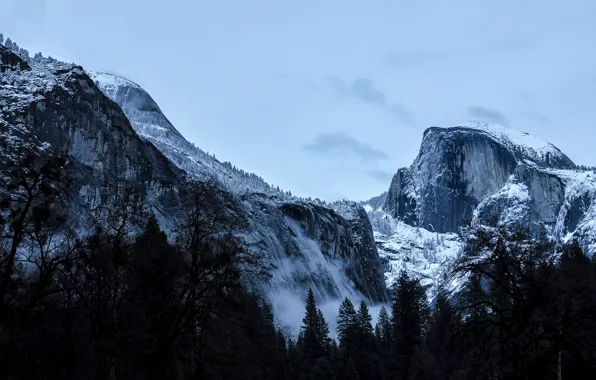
<point x="576" y="289"/>
<point x="291" y="347"/>
<point x="440" y="360"/>
<point x="410" y="315"/>
<point x="365" y="329"/>
<point x="269" y="338"/>
<point x="347" y="322"/>
<point x="312" y="330"/>
<point x="363" y="353"/>
<point x="152" y="286"/>
<point x="384" y="341"/>
<point x="323" y="332"/>
<point x="378" y="334"/>
<point x="384" y="326"/>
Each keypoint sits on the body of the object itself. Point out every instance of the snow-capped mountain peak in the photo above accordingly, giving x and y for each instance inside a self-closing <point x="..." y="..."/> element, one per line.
<point x="152" y="125"/>
<point x="522" y="144"/>
<point x="112" y="82"/>
<point x="483" y="174"/>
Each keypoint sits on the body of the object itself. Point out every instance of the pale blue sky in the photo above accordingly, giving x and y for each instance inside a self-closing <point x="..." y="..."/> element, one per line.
<point x="328" y="98"/>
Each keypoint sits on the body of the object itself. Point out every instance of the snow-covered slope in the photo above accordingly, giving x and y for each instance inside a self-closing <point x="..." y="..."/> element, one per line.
<point x="117" y="138"/>
<point x="330" y="249"/>
<point x="421" y="253"/>
<point x="458" y="167"/>
<point x="556" y="203"/>
<point x="55" y="107"/>
<point x="152" y="125"/>
<point x="486" y="175"/>
<point x="524" y="145"/>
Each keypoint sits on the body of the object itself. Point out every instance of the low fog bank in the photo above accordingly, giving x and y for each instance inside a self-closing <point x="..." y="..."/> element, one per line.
<point x="289" y="310"/>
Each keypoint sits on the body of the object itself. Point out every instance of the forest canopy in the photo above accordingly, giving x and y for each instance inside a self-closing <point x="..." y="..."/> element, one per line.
<point x="119" y="303"/>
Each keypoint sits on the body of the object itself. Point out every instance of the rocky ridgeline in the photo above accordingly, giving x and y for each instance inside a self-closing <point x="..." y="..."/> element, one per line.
<point x="485" y="175"/>
<point x="117" y="138"/>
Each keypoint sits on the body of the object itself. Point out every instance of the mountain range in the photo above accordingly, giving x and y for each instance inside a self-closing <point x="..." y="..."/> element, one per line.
<point x="484" y="175"/>
<point x="476" y="173"/>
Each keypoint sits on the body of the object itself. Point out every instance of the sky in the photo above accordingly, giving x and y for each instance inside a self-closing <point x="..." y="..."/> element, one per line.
<point x="328" y="98"/>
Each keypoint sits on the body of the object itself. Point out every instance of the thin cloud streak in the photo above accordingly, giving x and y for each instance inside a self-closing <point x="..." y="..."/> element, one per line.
<point x="366" y="91"/>
<point x="328" y="144"/>
<point x="488" y="114"/>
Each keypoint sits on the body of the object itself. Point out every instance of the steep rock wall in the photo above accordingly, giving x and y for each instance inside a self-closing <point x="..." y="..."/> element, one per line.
<point x="454" y="171"/>
<point x="307" y="245"/>
<point x="59" y="105"/>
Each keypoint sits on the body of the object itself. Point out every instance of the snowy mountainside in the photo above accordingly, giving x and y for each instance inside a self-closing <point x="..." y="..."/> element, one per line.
<point x="419" y="252"/>
<point x="330" y="249"/>
<point x="120" y="138"/>
<point x="152" y="125"/>
<point x="458" y="167"/>
<point x="483" y="174"/>
<point x="51" y="106"/>
<point x="524" y="145"/>
<point x="556" y="203"/>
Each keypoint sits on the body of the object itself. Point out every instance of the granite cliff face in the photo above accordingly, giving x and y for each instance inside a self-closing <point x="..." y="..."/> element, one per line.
<point x="120" y="139"/>
<point x="486" y="175"/>
<point x="332" y="251"/>
<point x="456" y="169"/>
<point x="553" y="203"/>
<point x="152" y="125"/>
<point x="57" y="105"/>
<point x="312" y="246"/>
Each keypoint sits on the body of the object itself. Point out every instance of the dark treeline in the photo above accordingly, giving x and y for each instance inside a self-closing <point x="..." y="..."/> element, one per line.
<point x="524" y="312"/>
<point x="126" y="304"/>
<point x="119" y="304"/>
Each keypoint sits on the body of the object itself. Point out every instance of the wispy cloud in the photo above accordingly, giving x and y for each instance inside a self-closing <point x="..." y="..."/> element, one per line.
<point x="488" y="114"/>
<point x="366" y="91"/>
<point x="340" y="144"/>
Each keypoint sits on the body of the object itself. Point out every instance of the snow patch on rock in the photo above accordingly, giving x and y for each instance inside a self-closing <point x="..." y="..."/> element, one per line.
<point x="533" y="148"/>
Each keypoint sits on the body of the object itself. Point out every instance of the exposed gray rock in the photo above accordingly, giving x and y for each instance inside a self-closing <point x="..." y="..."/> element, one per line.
<point x="530" y="200"/>
<point x="493" y="176"/>
<point x="10" y="61"/>
<point x="59" y="105"/>
<point x="401" y="201"/>
<point x="307" y="244"/>
<point x="547" y="194"/>
<point x="455" y="169"/>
